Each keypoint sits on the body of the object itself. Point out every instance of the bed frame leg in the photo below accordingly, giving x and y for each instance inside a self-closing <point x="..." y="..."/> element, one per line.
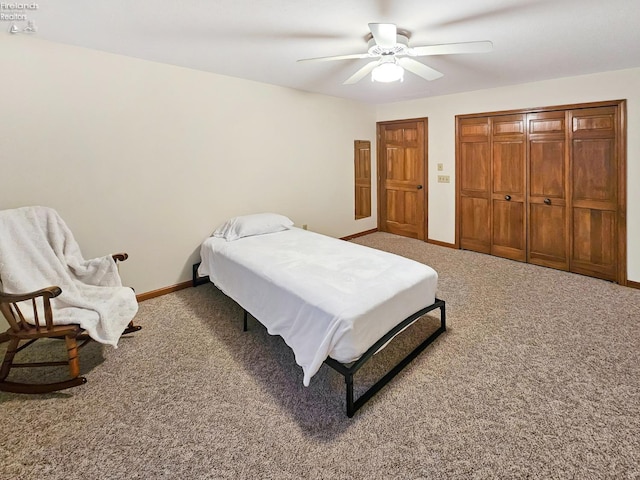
<point x="350" y="407"/>
<point x="443" y="317"/>
<point x="244" y="328"/>
<point x="349" y="371"/>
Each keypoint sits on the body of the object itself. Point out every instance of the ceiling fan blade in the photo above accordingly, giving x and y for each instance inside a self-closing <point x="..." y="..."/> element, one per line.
<point x="335" y="57"/>
<point x="452" y="48"/>
<point x="419" y="69"/>
<point x="360" y="74"/>
<point x="385" y="34"/>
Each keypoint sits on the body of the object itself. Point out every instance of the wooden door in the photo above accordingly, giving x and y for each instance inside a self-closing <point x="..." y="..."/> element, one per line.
<point x="548" y="232"/>
<point x="474" y="184"/>
<point x="594" y="178"/>
<point x="402" y="193"/>
<point x="362" y="167"/>
<point x="508" y="197"/>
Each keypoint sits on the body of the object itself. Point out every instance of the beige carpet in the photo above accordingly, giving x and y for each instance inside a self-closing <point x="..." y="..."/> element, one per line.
<point x="538" y="376"/>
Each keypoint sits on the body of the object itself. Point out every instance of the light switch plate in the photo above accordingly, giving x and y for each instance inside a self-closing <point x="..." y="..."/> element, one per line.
<point x="443" y="178"/>
<point x="440" y="167"/>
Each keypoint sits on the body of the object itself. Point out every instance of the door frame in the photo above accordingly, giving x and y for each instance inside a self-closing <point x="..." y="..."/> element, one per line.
<point x="380" y="169"/>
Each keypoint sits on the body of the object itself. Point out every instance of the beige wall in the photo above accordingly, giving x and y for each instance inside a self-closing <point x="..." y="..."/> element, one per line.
<point x="441" y="112"/>
<point x="148" y="158"/>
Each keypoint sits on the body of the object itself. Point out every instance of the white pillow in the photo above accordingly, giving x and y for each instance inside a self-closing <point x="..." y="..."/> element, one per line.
<point x="256" y="224"/>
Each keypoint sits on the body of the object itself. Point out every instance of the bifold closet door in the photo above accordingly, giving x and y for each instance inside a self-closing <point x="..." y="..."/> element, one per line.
<point x="546" y="186"/>
<point x="548" y="232"/>
<point x="508" y="197"/>
<point x="492" y="185"/>
<point x="594" y="179"/>
<point x="474" y="183"/>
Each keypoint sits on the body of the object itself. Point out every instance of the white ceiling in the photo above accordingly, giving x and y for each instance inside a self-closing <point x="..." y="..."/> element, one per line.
<point x="262" y="39"/>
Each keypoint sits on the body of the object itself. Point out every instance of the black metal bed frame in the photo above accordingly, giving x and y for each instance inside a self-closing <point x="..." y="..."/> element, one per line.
<point x="349" y="370"/>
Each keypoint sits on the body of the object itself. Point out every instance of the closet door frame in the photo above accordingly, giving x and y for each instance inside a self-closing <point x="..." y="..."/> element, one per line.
<point x="621" y="151"/>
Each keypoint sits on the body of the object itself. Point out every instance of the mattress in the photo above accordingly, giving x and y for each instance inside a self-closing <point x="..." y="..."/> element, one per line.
<point x="325" y="297"/>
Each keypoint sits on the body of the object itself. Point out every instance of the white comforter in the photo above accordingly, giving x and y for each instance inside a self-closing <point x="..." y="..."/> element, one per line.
<point x="324" y="296"/>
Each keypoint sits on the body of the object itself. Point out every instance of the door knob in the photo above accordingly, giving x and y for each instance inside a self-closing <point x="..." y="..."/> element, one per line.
<point x="507" y="197"/>
<point x="547" y="201"/>
<point x="419" y="187"/>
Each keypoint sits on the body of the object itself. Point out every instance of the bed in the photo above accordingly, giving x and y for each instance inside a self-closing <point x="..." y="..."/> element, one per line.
<point x="332" y="301"/>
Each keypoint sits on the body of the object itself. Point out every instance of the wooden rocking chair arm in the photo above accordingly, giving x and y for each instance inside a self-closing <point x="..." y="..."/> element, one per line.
<point x="49" y="292"/>
<point x="120" y="257"/>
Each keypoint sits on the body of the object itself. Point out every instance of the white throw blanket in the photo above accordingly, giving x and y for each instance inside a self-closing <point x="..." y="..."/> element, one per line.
<point x="37" y="250"/>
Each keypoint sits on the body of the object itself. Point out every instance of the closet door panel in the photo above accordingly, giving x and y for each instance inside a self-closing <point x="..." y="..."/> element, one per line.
<point x="547" y="168"/>
<point x="475" y="167"/>
<point x="508" y="192"/>
<point x="508" y="235"/>
<point x="474" y="180"/>
<point x="594" y="180"/>
<point x="549" y="229"/>
<point x="475" y="228"/>
<point x="594" y="122"/>
<point x="594" y="172"/>
<point x="594" y="240"/>
<point x="508" y="168"/>
<point x="547" y="241"/>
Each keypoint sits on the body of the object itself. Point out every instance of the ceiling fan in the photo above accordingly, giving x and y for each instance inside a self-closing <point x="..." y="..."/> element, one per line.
<point x="390" y="47"/>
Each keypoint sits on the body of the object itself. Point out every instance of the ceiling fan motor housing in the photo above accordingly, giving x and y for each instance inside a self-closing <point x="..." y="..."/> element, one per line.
<point x="400" y="48"/>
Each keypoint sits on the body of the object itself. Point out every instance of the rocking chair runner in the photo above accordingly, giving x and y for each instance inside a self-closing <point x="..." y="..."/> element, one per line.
<point x="76" y="316"/>
<point x="20" y="330"/>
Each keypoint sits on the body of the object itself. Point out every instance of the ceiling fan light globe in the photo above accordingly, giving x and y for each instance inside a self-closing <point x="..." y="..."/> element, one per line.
<point x="387" y="72"/>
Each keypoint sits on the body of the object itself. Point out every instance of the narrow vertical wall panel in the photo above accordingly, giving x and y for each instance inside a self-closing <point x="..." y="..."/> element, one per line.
<point x="362" y="166"/>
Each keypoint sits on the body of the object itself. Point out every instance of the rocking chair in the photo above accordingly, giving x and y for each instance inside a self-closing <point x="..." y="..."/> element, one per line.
<point x="44" y="313"/>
